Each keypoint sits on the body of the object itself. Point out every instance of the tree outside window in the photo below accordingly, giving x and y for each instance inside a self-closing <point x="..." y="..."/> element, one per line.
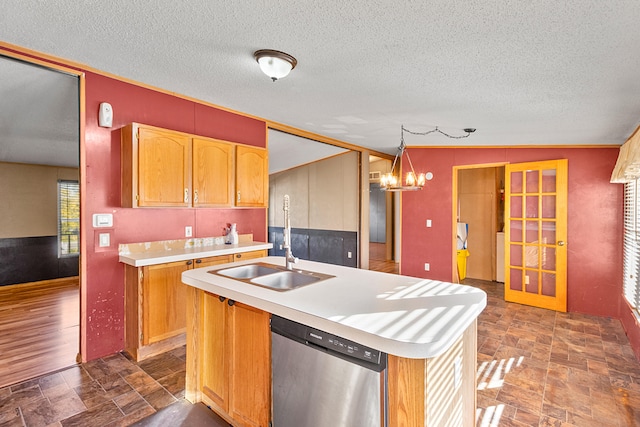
<point x="68" y="218"/>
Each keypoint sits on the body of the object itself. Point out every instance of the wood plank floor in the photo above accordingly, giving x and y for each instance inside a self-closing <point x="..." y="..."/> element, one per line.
<point x="378" y="261"/>
<point x="40" y="331"/>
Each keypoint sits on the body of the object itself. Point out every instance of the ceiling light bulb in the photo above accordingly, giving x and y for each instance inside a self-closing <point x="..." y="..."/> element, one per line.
<point x="274" y="63"/>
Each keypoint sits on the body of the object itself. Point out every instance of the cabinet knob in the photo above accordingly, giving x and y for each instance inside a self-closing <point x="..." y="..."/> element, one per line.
<point x="238" y="255"/>
<point x="561" y="243"/>
<point x="221" y="298"/>
<point x="231" y="302"/>
<point x="189" y="262"/>
<point x="198" y="261"/>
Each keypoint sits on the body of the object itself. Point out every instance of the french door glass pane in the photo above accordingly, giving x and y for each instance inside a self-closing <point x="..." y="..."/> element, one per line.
<point x="549" y="232"/>
<point x="549" y="284"/>
<point x="548" y="206"/>
<point x="532" y="231"/>
<point x="515" y="279"/>
<point x="532" y="286"/>
<point x="516" y="255"/>
<point x="516" y="231"/>
<point x="548" y="259"/>
<point x="516" y="207"/>
<point x="532" y="181"/>
<point x="516" y="182"/>
<point x="532" y="206"/>
<point x="549" y="181"/>
<point x="531" y="256"/>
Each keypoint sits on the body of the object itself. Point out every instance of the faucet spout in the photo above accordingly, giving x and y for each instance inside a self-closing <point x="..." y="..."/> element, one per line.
<point x="286" y="236"/>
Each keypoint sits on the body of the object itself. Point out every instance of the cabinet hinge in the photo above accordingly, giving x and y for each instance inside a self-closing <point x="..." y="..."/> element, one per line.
<point x="137" y="197"/>
<point x="141" y="337"/>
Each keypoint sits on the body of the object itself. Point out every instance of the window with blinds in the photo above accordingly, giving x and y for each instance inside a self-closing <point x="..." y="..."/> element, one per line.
<point x="631" y="256"/>
<point x="68" y="218"/>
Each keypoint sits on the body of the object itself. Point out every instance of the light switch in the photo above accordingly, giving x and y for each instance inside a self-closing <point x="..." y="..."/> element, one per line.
<point x="428" y="223"/>
<point x="188" y="231"/>
<point x="102" y="220"/>
<point x="105" y="240"/>
<point x="427" y="267"/>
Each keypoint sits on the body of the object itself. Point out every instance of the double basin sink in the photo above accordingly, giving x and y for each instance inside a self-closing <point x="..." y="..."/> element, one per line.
<point x="271" y="276"/>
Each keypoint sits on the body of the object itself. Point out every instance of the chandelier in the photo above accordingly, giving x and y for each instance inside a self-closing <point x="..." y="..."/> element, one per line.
<point x="392" y="182"/>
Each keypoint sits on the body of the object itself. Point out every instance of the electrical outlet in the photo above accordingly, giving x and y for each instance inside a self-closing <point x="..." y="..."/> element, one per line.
<point x="349" y="255"/>
<point x="188" y="231"/>
<point x="426" y="266"/>
<point x="105" y="240"/>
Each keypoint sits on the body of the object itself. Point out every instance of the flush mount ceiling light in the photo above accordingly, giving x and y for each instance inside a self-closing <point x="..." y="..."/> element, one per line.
<point x="392" y="182"/>
<point x="274" y="63"/>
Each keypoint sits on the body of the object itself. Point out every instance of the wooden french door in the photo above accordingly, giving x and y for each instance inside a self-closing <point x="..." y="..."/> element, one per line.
<point x="536" y="234"/>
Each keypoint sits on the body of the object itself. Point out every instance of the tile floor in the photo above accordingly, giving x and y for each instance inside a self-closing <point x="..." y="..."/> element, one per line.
<point x="541" y="368"/>
<point x="112" y="391"/>
<point x="535" y="368"/>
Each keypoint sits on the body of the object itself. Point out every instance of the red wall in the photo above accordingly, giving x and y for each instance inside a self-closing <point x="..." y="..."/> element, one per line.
<point x="103" y="298"/>
<point x="594" y="238"/>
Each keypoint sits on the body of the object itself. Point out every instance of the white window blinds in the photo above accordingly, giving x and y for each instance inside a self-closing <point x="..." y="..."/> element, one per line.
<point x="631" y="255"/>
<point x="68" y="218"/>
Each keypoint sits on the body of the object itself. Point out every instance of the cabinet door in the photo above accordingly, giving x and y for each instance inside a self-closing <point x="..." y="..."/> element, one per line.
<point x="163" y="301"/>
<point x="213" y="176"/>
<point x="252" y="176"/>
<point x="164" y="168"/>
<point x="250" y="370"/>
<point x="249" y="255"/>
<point x="215" y="366"/>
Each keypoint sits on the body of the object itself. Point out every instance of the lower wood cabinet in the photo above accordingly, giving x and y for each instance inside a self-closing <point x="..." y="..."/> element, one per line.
<point x="155" y="304"/>
<point x="229" y="358"/>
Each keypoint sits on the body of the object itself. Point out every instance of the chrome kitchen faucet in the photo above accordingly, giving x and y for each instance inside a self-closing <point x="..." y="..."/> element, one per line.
<point x="286" y="236"/>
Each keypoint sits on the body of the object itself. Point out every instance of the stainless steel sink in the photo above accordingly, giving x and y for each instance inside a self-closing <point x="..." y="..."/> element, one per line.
<point x="271" y="276"/>
<point x="248" y="271"/>
<point x="286" y="280"/>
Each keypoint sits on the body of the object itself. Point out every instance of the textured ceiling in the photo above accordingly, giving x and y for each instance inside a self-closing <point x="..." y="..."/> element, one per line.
<point x="537" y="72"/>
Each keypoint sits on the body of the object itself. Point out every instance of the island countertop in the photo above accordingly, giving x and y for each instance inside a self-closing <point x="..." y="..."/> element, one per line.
<point x="400" y="315"/>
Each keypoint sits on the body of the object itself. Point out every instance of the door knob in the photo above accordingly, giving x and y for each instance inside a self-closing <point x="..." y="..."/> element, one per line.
<point x="561" y="243"/>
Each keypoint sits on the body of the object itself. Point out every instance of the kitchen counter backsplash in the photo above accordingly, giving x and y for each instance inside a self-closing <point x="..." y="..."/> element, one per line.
<point x="167" y="245"/>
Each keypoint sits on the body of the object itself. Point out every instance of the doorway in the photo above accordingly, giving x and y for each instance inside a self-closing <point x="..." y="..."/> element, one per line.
<point x="480" y="212"/>
<point x="40" y="106"/>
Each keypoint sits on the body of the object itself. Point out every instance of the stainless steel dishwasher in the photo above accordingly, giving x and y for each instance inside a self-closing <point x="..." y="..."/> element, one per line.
<point x="322" y="380"/>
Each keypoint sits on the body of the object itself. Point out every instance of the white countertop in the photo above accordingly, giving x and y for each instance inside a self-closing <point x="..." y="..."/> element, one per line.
<point x="142" y="259"/>
<point x="404" y="316"/>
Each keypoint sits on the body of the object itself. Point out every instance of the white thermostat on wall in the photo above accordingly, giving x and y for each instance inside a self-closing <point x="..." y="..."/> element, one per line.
<point x="105" y="115"/>
<point x="102" y="220"/>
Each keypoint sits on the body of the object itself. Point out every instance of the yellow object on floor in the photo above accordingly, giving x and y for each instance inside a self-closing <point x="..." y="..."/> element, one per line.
<point x="462" y="263"/>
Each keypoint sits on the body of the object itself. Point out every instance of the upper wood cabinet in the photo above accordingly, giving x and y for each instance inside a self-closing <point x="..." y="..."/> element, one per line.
<point x="252" y="176"/>
<point x="163" y="168"/>
<point x="156" y="167"/>
<point x="213" y="180"/>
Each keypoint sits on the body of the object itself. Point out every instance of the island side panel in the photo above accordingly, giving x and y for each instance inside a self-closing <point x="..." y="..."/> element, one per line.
<point x="436" y="391"/>
<point x="192" y="390"/>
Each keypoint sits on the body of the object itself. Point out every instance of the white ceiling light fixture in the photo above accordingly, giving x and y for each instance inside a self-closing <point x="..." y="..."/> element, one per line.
<point x="392" y="182"/>
<point x="274" y="63"/>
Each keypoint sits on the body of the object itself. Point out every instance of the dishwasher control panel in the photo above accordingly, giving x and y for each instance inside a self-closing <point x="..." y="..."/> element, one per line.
<point x="341" y="345"/>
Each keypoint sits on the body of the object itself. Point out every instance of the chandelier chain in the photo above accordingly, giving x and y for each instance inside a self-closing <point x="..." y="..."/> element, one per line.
<point x="438" y="131"/>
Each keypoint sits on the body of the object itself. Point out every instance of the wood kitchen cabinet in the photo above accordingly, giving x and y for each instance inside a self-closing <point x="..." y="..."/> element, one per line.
<point x="155" y="308"/>
<point x="164" y="168"/>
<point x="232" y="347"/>
<point x="252" y="176"/>
<point x="156" y="167"/>
<point x="213" y="179"/>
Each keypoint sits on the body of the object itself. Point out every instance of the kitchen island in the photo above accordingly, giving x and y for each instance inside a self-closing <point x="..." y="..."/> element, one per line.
<point x="427" y="328"/>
